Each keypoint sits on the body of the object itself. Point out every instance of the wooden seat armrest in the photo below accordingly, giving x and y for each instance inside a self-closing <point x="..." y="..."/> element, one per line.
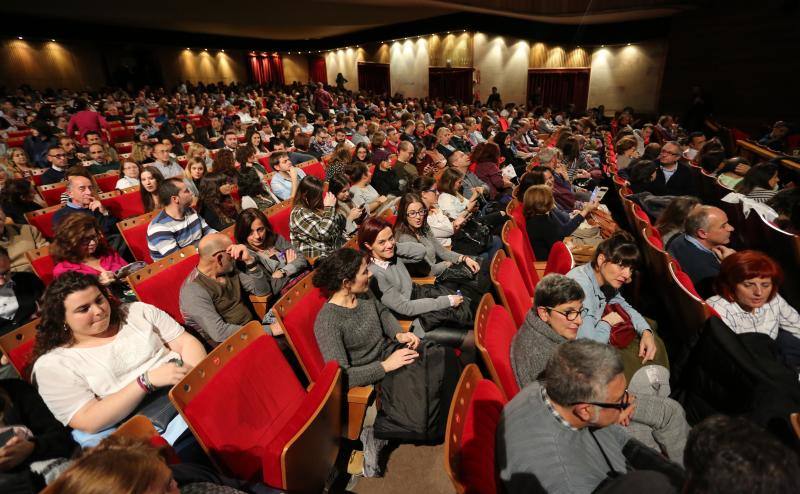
<point x="426" y="280"/>
<point x="260" y="303"/>
<point x="360" y="394"/>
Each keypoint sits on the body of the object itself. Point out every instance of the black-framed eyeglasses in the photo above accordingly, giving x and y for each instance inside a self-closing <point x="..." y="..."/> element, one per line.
<point x="420" y="213"/>
<point x="432" y="191"/>
<point x="623" y="404"/>
<point x="570" y="315"/>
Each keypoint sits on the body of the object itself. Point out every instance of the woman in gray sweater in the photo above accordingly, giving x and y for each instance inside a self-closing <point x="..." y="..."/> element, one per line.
<point x="357" y="331"/>
<point x="431" y="307"/>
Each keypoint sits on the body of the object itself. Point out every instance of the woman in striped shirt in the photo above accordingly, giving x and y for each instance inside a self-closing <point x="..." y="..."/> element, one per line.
<point x="760" y="183"/>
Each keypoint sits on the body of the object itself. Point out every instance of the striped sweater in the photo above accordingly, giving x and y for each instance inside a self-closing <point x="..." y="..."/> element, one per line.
<point x="166" y="235"/>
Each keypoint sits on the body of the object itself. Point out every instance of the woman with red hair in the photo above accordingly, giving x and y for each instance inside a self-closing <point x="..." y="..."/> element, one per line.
<point x="749" y="301"/>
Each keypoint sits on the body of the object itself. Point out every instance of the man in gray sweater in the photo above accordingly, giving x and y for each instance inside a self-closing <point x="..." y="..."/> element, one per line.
<point x="562" y="435"/>
<point x="211" y="298"/>
<point x="657" y="421"/>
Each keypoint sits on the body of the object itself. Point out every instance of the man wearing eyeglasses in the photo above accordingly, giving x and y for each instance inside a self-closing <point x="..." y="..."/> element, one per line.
<point x="57" y="158"/>
<point x="563" y="435"/>
<point x="673" y="177"/>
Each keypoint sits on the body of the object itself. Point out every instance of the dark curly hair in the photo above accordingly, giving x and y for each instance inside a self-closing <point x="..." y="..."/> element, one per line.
<point x="332" y="271"/>
<point x="52" y="331"/>
<point x="70" y="234"/>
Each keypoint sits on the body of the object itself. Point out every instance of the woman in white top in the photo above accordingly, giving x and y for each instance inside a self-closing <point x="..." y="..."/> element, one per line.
<point x="360" y="189"/>
<point x="129" y="173"/>
<point x="748" y="301"/>
<point x="441" y="226"/>
<point x="451" y="202"/>
<point x="95" y="360"/>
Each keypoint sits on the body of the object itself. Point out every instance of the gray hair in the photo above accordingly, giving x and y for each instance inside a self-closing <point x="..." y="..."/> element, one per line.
<point x="580" y="370"/>
<point x="546" y="155"/>
<point x="556" y="289"/>
<point x="698" y="219"/>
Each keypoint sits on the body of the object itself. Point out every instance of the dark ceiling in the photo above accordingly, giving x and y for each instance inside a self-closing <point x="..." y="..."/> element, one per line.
<point x="301" y="20"/>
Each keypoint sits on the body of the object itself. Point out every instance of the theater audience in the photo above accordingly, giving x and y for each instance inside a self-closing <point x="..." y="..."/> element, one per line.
<point x="562" y="435"/>
<point x="17" y="240"/>
<point x="57" y="159"/>
<point x="76" y="361"/>
<point x="80" y="246"/>
<point x="142" y="153"/>
<point x="164" y="163"/>
<point x="213" y="296"/>
<point x="253" y="191"/>
<point x="461" y="162"/>
<point x="609" y="318"/>
<point x="363" y="193"/>
<point x="82" y="200"/>
<point x="384" y="178"/>
<point x="315" y="228"/>
<point x="340" y="187"/>
<point x="760" y="183"/>
<point x="20" y="293"/>
<point x="702" y="246"/>
<point x="672" y="176"/>
<point x="150" y="180"/>
<point x="545" y="224"/>
<point x="672" y="220"/>
<point x="193" y="173"/>
<point x="732" y="171"/>
<point x="177" y="225"/>
<point x="748" y="301"/>
<point x="99" y="161"/>
<point x="285" y="181"/>
<point x="436" y="311"/>
<point x="39" y="445"/>
<point x="129" y="173"/>
<point x="487" y="156"/>
<point x="215" y="204"/>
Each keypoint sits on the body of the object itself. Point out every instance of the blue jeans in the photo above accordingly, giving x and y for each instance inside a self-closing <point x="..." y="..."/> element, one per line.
<point x="175" y="428"/>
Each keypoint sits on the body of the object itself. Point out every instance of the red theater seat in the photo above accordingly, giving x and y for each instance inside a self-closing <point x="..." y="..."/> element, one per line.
<point x="509" y="285"/>
<point x="51" y="193"/>
<point x="469" y="447"/>
<point x="278" y="216"/>
<point x="522" y="254"/>
<point x="134" y="232"/>
<point x="123" y="204"/>
<point x="42" y="263"/>
<point x="107" y="182"/>
<point x="494" y="331"/>
<point x="296" y="312"/>
<point x="43" y="220"/>
<point x="252" y="416"/>
<point x="18" y="347"/>
<point x="170" y="272"/>
<point x="560" y="259"/>
<point x="314" y="169"/>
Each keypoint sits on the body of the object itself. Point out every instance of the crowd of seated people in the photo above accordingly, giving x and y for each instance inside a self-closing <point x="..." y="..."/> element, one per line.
<point x="420" y="189"/>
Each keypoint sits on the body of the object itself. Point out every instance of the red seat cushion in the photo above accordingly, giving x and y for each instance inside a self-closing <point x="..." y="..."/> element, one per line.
<point x="43" y="267"/>
<point x="106" y="183"/>
<point x="523" y="256"/>
<point x="510" y="281"/>
<point x="151" y="290"/>
<point x="500" y="333"/>
<point x="44" y="222"/>
<point x="52" y="196"/>
<point x="316" y="170"/>
<point x="20" y="357"/>
<point x="685" y="281"/>
<point x="299" y="324"/>
<point x="477" y="465"/>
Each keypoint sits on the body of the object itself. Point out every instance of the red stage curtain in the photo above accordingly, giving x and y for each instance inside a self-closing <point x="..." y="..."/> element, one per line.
<point x="450" y="83"/>
<point x="317" y="70"/>
<point x="557" y="88"/>
<point x="267" y="69"/>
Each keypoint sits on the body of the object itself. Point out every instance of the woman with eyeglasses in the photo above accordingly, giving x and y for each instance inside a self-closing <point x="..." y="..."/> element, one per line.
<point x="80" y="246"/>
<point x="609" y="317"/>
<point x="441" y="226"/>
<point x="557" y="314"/>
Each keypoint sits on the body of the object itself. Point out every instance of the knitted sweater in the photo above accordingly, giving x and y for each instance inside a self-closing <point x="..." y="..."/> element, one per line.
<point x="435" y="254"/>
<point x="356" y="338"/>
<point x="532" y="347"/>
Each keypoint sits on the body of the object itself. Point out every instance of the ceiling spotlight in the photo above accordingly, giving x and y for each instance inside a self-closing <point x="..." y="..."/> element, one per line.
<point x="205" y="49"/>
<point x="602" y="46"/>
<point x="52" y="41"/>
<point x="629" y="44"/>
<point x="19" y="37"/>
<point x="187" y="48"/>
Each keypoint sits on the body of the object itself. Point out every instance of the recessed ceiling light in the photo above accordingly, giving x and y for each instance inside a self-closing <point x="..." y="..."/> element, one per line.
<point x="19" y="37"/>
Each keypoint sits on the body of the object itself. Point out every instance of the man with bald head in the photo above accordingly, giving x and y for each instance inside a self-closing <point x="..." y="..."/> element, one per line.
<point x="702" y="246"/>
<point x="214" y="297"/>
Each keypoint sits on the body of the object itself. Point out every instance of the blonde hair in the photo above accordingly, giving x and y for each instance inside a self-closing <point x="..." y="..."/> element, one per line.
<point x="194" y="149"/>
<point x="538" y="200"/>
<point x="194" y="160"/>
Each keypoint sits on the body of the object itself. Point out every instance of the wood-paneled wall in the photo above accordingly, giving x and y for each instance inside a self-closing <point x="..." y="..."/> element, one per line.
<point x="50" y="64"/>
<point x="544" y="56"/>
<point x="201" y="66"/>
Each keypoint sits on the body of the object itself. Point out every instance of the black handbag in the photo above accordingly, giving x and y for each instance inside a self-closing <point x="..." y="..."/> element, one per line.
<point x="473" y="238"/>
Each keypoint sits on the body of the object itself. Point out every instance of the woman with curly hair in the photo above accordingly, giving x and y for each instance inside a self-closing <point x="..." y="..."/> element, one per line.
<point x="216" y="204"/>
<point x="97" y="361"/>
<point x="142" y="152"/>
<point x="225" y="163"/>
<point x="80" y="246"/>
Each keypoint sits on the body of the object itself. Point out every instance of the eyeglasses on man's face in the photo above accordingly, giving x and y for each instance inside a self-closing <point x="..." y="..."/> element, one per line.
<point x="623" y="403"/>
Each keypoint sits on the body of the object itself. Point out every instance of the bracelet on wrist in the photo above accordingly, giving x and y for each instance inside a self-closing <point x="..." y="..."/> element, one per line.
<point x="150" y="387"/>
<point x="142" y="384"/>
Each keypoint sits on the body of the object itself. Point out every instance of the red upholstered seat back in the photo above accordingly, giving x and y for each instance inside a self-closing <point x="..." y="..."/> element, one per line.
<point x="478" y="439"/>
<point x="136" y="238"/>
<point x="52" y="193"/>
<point x="500" y="333"/>
<point x="298" y="322"/>
<point x="44" y="222"/>
<point x="509" y="283"/>
<point x="523" y="256"/>
<point x="280" y="222"/>
<point x="18" y="347"/>
<point x="106" y="182"/>
<point x="514" y="209"/>
<point x="124" y="206"/>
<point x="43" y="267"/>
<point x="684" y="281"/>
<point x="152" y="290"/>
<point x="245" y="407"/>
<point x="560" y="259"/>
<point x="315" y="169"/>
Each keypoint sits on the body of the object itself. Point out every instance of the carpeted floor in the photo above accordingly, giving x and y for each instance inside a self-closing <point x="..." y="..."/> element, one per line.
<point x="411" y="468"/>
